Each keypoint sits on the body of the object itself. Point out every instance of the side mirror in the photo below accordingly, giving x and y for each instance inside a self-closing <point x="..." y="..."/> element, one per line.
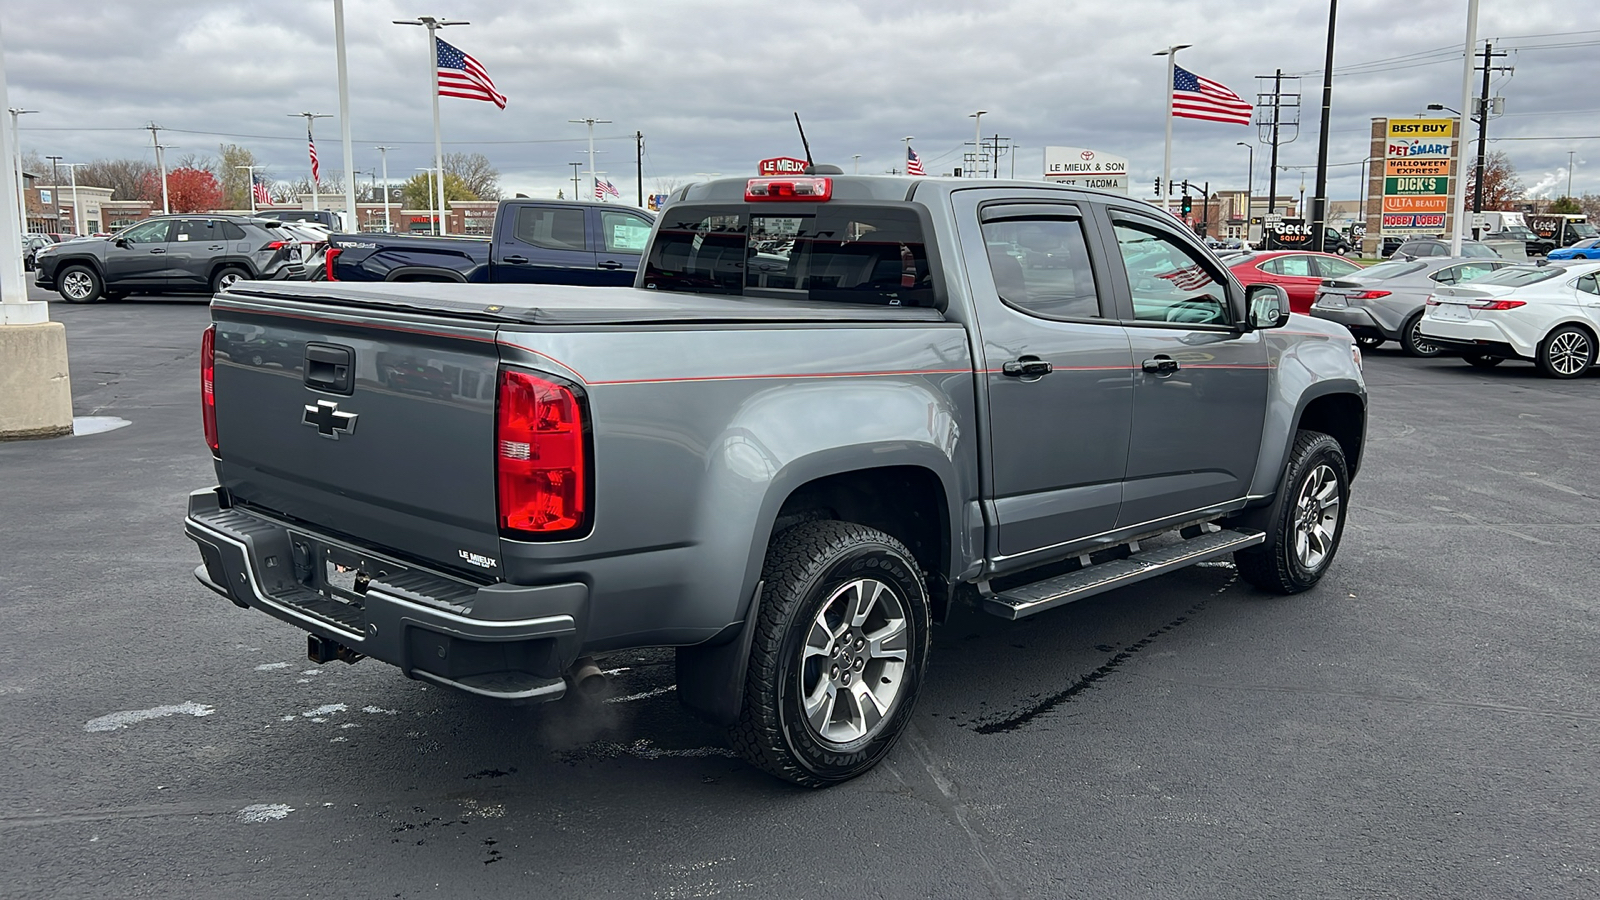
<point x="121" y="242"/>
<point x="1268" y="304"/>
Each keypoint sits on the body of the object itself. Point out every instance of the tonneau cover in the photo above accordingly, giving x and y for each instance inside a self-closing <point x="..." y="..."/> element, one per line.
<point x="550" y="304"/>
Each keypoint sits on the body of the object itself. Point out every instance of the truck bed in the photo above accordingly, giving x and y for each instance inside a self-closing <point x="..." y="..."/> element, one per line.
<point x="545" y="304"/>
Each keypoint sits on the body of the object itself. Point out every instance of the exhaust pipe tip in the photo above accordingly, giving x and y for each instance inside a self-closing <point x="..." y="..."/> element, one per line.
<point x="586" y="678"/>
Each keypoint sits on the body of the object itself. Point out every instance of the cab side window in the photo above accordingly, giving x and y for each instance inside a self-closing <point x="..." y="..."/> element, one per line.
<point x="1041" y="266"/>
<point x="1170" y="282"/>
<point x="553" y="228"/>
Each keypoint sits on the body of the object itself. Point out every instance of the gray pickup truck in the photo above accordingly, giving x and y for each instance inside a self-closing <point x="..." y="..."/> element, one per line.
<point x="829" y="409"/>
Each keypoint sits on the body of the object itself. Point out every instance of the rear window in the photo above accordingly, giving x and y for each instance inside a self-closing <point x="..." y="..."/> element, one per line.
<point x="1391" y="269"/>
<point x="1520" y="276"/>
<point x="842" y="253"/>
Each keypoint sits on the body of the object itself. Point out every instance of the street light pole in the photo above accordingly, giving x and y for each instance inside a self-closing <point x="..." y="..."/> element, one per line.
<point x="344" y="120"/>
<point x="77" y="208"/>
<point x="16" y="164"/>
<point x="1467" y="65"/>
<point x="593" y="175"/>
<point x="384" y="153"/>
<point x="1249" y="183"/>
<point x="977" y="136"/>
<point x="1569" y="172"/>
<point x="433" y="214"/>
<point x="55" y="189"/>
<point x="161" y="166"/>
<point x="433" y="25"/>
<point x="1171" y="53"/>
<point x="857" y="158"/>
<point x="575" y="167"/>
<point x="251" y="187"/>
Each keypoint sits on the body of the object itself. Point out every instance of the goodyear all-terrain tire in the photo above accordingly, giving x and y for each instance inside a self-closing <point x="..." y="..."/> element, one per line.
<point x="1305" y="522"/>
<point x="838" y="654"/>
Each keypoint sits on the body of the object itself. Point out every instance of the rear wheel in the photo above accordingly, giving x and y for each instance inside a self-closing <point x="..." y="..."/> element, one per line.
<point x="79" y="284"/>
<point x="838" y="654"/>
<point x="1367" y="342"/>
<point x="1305" y="522"/>
<point x="1413" y="341"/>
<point x="227" y="278"/>
<point x="1566" y="352"/>
<point x="1484" y="362"/>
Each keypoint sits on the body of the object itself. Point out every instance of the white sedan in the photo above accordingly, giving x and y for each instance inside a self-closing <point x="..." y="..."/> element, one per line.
<point x="1549" y="314"/>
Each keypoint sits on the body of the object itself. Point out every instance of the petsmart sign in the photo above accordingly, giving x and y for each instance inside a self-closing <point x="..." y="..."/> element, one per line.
<point x="1081" y="167"/>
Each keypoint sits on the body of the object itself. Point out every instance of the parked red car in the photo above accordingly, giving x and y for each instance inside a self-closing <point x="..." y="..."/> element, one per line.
<point x="1298" y="272"/>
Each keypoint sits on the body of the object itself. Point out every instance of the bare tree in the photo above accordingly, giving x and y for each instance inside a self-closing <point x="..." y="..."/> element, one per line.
<point x="1591" y="206"/>
<point x="477" y="174"/>
<point x="1501" y="187"/>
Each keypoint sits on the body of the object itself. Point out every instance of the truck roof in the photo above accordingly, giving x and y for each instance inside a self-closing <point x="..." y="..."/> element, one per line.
<point x="879" y="187"/>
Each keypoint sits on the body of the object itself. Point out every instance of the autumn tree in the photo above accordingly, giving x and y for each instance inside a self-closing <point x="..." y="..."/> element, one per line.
<point x="236" y="181"/>
<point x="417" y="190"/>
<point x="476" y="172"/>
<point x="189" y="189"/>
<point x="1501" y="186"/>
<point x="1565" y="205"/>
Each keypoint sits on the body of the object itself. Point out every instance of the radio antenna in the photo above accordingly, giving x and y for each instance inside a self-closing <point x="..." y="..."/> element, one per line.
<point x="804" y="143"/>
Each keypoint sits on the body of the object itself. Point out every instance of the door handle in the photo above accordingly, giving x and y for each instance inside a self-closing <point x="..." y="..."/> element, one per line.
<point x="1161" y="365"/>
<point x="1027" y="367"/>
<point x="514" y="259"/>
<point x="217" y="247"/>
<point x="611" y="264"/>
<point x="158" y="250"/>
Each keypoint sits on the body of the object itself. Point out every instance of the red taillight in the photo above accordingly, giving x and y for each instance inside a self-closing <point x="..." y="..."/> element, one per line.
<point x="276" y="245"/>
<point x="790" y="188"/>
<point x="208" y="394"/>
<point x="539" y="456"/>
<point x="1369" y="295"/>
<point x="1499" y="304"/>
<point x="1431" y="301"/>
<point x="327" y="262"/>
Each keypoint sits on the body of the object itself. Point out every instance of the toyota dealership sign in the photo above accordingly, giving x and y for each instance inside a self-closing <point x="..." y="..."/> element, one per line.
<point x="1081" y="167"/>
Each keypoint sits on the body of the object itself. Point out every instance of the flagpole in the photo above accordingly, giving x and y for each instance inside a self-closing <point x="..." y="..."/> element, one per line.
<point x="1171" y="53"/>
<point x="344" y="119"/>
<point x="438" y="140"/>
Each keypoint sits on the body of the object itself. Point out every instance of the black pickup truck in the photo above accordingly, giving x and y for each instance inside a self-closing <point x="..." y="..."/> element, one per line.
<point x="534" y="242"/>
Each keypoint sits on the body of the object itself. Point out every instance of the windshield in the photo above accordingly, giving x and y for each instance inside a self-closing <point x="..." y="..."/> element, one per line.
<point x="843" y="253"/>
<point x="1519" y="232"/>
<point x="1478" y="251"/>
<point x="1584" y="229"/>
<point x="1519" y="276"/>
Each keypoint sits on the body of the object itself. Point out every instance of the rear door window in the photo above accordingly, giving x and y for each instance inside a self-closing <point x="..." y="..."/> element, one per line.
<point x="624" y="232"/>
<point x="1333" y="267"/>
<point x="1041" y="266"/>
<point x="195" y="231"/>
<point x="1297" y="266"/>
<point x="551" y="227"/>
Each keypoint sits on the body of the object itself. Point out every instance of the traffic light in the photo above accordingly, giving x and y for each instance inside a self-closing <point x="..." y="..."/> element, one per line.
<point x="1188" y="204"/>
<point x="1158" y="187"/>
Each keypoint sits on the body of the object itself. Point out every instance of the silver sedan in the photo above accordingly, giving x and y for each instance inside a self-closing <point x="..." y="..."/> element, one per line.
<point x="1385" y="302"/>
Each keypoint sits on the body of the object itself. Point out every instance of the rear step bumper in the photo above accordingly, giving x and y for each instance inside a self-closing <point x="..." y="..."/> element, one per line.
<point x="1097" y="579"/>
<point x="504" y="641"/>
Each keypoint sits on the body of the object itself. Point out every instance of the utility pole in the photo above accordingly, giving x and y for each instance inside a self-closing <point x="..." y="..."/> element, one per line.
<point x="1285" y="117"/>
<point x="638" y="164"/>
<point x="1570" y="154"/>
<point x="977" y="139"/>
<point x="593" y="175"/>
<point x="1319" y="198"/>
<point x="383" y="153"/>
<point x="995" y="154"/>
<point x="55" y="189"/>
<point x="575" y="167"/>
<point x="1483" y="124"/>
<point x="161" y="166"/>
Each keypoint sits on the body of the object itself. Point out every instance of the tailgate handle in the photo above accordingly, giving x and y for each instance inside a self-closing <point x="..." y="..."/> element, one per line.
<point x="330" y="367"/>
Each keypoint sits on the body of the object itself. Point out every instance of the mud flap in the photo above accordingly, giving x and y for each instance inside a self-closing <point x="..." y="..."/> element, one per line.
<point x="711" y="676"/>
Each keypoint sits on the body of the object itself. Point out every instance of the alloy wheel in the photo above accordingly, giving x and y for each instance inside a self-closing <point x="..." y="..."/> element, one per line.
<point x="1316" y="518"/>
<point x="853" y="662"/>
<point x="1423" y="346"/>
<point x="77" y="286"/>
<point x="1570" y="352"/>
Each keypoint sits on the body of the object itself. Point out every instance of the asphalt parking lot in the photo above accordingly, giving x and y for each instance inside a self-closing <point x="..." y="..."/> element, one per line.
<point x="1423" y="724"/>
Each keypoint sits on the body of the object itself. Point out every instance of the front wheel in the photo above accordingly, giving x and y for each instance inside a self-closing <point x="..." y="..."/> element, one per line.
<point x="79" y="284"/>
<point x="1567" y="352"/>
<point x="838" y="654"/>
<point x="1414" y="343"/>
<point x="1305" y="522"/>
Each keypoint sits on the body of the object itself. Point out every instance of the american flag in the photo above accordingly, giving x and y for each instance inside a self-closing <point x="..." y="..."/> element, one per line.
<point x="1189" y="278"/>
<point x="461" y="76"/>
<point x="259" y="187"/>
<point x="1194" y="97"/>
<point x="312" y="146"/>
<point x="914" y="162"/>
<point x="603" y="187"/>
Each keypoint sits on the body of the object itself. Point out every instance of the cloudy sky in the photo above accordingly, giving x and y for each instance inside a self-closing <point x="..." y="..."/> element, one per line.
<point x="712" y="83"/>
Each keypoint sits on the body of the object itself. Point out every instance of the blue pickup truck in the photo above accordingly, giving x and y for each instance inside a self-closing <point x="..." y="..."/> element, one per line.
<point x="534" y="242"/>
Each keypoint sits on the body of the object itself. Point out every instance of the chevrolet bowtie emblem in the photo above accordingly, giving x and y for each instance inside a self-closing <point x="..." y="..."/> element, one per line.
<point x="326" y="418"/>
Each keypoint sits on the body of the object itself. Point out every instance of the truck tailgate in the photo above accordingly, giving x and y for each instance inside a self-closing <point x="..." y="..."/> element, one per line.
<point x="361" y="422"/>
